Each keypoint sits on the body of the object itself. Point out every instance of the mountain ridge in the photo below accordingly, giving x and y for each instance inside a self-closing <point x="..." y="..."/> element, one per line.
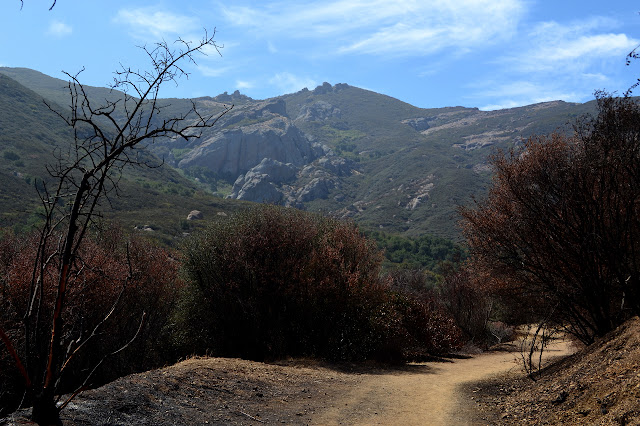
<point x="349" y="152"/>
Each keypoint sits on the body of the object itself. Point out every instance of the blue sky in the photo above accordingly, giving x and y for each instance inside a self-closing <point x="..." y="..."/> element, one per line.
<point x="489" y="54"/>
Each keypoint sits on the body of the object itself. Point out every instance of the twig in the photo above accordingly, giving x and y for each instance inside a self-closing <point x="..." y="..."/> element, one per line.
<point x="250" y="416"/>
<point x="7" y="343"/>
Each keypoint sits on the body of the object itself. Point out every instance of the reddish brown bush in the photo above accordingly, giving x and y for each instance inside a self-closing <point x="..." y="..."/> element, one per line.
<point x="427" y="328"/>
<point x="560" y="228"/>
<point x="131" y="276"/>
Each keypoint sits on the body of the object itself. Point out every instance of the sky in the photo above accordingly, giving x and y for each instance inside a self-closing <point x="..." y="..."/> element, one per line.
<point x="490" y="54"/>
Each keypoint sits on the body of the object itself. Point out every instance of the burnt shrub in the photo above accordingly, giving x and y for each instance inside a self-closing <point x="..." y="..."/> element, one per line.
<point x="469" y="305"/>
<point x="560" y="225"/>
<point x="427" y="328"/>
<point x="272" y="282"/>
<point x="130" y="277"/>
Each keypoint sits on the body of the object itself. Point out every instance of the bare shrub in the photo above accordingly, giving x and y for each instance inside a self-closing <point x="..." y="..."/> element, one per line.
<point x="142" y="277"/>
<point x="468" y="304"/>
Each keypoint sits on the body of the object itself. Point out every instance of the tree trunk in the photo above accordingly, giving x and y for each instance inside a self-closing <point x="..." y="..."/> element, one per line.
<point x="45" y="412"/>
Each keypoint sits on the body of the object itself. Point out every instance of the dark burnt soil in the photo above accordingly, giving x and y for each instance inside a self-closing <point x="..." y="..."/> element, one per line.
<point x="202" y="391"/>
<point x="599" y="385"/>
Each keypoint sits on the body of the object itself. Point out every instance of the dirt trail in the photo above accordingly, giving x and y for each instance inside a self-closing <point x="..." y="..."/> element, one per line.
<point x="424" y="394"/>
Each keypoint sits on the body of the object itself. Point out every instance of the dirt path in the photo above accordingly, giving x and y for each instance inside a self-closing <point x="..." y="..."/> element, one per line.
<point x="239" y="392"/>
<point x="425" y="394"/>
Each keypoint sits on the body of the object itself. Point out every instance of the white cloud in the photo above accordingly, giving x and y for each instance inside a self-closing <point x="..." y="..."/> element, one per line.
<point x="557" y="61"/>
<point x="504" y="105"/>
<point x="526" y="92"/>
<point x="289" y="83"/>
<point x="149" y="21"/>
<point x="380" y="27"/>
<point x="596" y="77"/>
<point x="241" y="84"/>
<point x="59" y="29"/>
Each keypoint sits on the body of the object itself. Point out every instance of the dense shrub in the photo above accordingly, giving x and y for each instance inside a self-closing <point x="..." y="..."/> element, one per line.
<point x="273" y="282"/>
<point x="139" y="276"/>
<point x="427" y="328"/>
<point x="469" y="305"/>
<point x="424" y="252"/>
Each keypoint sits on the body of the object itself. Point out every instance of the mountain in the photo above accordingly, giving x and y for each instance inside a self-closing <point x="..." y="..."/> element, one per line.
<point x="343" y="151"/>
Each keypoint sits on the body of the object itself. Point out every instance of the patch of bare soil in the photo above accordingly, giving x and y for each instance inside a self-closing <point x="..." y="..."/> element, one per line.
<point x="201" y="391"/>
<point x="239" y="392"/>
<point x="599" y="385"/>
<point x="427" y="394"/>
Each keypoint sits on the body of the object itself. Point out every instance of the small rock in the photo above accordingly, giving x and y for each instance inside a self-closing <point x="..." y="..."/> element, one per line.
<point x="195" y="215"/>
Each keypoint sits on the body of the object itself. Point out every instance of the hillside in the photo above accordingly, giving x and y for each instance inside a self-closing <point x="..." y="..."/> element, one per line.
<point x="156" y="199"/>
<point x="338" y="149"/>
<point x="357" y="154"/>
<point x="415" y="165"/>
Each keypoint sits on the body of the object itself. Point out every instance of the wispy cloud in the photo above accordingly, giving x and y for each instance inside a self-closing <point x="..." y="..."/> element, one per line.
<point x="557" y="61"/>
<point x="59" y="29"/>
<point x="518" y="93"/>
<point x="575" y="46"/>
<point x="242" y="84"/>
<point x="209" y="71"/>
<point x="380" y="27"/>
<point x="287" y="82"/>
<point x="159" y="24"/>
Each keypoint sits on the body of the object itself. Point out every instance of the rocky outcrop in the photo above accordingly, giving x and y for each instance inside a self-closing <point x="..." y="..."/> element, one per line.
<point x="260" y="183"/>
<point x="318" y="111"/>
<point x="328" y="88"/>
<point x="271" y="160"/>
<point x="278" y="172"/>
<point x="337" y="165"/>
<point x="272" y="181"/>
<point x="195" y="215"/>
<point x="318" y="188"/>
<point x="258" y="189"/>
<point x="420" y="123"/>
<point x="250" y="136"/>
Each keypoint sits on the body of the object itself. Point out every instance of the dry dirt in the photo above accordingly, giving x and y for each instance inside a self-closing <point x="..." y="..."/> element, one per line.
<point x="600" y="385"/>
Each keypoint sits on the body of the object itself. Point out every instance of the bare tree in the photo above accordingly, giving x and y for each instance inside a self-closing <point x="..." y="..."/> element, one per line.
<point x="107" y="138"/>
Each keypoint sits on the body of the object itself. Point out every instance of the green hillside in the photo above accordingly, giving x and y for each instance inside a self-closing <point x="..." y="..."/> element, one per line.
<point x="412" y="179"/>
<point x="30" y="135"/>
